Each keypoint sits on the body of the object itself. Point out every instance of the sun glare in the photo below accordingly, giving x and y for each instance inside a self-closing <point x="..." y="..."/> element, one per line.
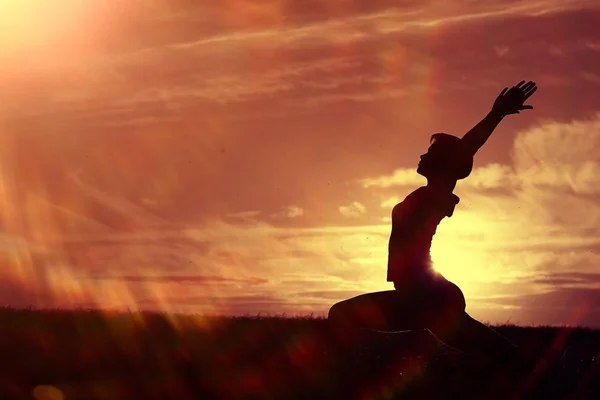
<point x="455" y="262"/>
<point x="457" y="258"/>
<point x="40" y="23"/>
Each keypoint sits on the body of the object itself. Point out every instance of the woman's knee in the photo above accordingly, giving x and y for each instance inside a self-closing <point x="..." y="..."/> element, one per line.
<point x="339" y="312"/>
<point x="458" y="299"/>
<point x="334" y="312"/>
<point x="364" y="309"/>
<point x="454" y="297"/>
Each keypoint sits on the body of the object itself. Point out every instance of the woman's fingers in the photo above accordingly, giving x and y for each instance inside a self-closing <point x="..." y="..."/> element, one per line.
<point x="530" y="92"/>
<point x="523" y="92"/>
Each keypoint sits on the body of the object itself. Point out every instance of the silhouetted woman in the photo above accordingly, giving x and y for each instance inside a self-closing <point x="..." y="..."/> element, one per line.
<point x="424" y="299"/>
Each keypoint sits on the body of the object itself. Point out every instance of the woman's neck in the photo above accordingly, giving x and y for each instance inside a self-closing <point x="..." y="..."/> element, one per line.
<point x="441" y="184"/>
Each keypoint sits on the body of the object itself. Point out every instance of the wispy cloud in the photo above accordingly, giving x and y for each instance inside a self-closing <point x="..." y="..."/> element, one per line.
<point x="198" y="64"/>
<point x="190" y="279"/>
<point x="133" y="214"/>
<point x="569" y="306"/>
<point x="491" y="176"/>
<point x="571" y="279"/>
<point x="253" y="152"/>
<point x="386" y="21"/>
<point x="400" y="177"/>
<point x="354" y="209"/>
<point x="501" y="50"/>
<point x="245" y="215"/>
<point x="590" y="77"/>
<point x="293" y="212"/>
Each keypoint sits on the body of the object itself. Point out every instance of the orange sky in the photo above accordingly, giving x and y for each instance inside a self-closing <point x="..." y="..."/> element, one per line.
<point x="243" y="156"/>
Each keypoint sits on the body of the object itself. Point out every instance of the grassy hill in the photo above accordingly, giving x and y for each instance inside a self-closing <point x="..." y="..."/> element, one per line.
<point x="91" y="354"/>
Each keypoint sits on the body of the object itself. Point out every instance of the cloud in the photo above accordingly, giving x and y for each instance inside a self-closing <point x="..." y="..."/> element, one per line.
<point x="289" y="212"/>
<point x="400" y="177"/>
<point x="329" y="294"/>
<point x="592" y="45"/>
<point x="590" y="77"/>
<point x="250" y="215"/>
<point x="501" y="51"/>
<point x="298" y="99"/>
<point x="568" y="306"/>
<point x="134" y="214"/>
<point x="197" y="63"/>
<point x="491" y="176"/>
<point x="382" y="21"/>
<point x="293" y="212"/>
<point x="221" y="259"/>
<point x="249" y="85"/>
<point x="553" y="185"/>
<point x="390" y="202"/>
<point x="552" y="154"/>
<point x="190" y="279"/>
<point x="355" y="209"/>
<point x="560" y="155"/>
<point x="566" y="279"/>
<point x="514" y="242"/>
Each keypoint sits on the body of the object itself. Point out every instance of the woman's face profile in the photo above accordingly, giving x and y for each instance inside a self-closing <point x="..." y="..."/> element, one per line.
<point x="434" y="162"/>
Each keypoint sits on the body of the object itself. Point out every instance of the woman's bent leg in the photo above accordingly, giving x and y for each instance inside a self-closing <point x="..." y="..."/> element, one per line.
<point x="446" y="304"/>
<point x="458" y="329"/>
<point x="384" y="311"/>
<point x="433" y="305"/>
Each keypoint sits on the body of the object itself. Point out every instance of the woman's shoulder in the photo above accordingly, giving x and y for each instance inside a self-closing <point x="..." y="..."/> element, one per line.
<point x="425" y="198"/>
<point x="442" y="201"/>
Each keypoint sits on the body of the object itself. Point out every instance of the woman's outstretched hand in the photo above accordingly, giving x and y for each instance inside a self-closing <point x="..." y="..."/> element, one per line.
<point x="512" y="101"/>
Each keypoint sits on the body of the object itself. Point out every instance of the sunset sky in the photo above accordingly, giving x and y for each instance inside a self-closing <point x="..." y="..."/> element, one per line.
<point x="243" y="156"/>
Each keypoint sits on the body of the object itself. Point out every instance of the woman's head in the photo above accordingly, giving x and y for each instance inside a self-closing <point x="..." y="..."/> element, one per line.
<point x="447" y="157"/>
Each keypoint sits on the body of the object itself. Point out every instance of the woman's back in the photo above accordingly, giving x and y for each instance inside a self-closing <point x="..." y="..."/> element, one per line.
<point x="414" y="222"/>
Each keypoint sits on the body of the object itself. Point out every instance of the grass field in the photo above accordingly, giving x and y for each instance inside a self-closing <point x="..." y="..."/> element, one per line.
<point x="89" y="354"/>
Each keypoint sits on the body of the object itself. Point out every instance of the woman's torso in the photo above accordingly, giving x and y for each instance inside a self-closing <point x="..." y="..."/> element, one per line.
<point x="414" y="223"/>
